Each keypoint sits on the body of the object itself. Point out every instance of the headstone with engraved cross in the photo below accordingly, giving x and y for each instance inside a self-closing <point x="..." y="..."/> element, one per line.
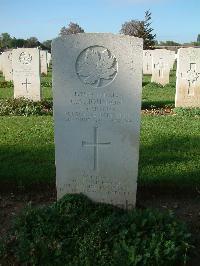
<point x="147" y="62"/>
<point x="26" y="73"/>
<point x="188" y="78"/>
<point x="7" y="65"/>
<point x="97" y="81"/>
<point x="160" y="66"/>
<point x="43" y="62"/>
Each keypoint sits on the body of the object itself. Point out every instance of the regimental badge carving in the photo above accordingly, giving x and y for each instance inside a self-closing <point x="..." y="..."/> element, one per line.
<point x="96" y="66"/>
<point x="25" y="58"/>
<point x="192" y="75"/>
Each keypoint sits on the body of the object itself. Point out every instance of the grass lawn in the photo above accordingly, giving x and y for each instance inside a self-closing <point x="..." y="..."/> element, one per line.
<point x="154" y="95"/>
<point x="169" y="150"/>
<point x="27" y="150"/>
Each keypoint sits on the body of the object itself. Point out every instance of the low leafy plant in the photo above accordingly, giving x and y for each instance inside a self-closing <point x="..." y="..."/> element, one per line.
<point x="187" y="111"/>
<point x="43" y="75"/>
<point x="46" y="84"/>
<point x="77" y="232"/>
<point x="24" y="107"/>
<point x="6" y="84"/>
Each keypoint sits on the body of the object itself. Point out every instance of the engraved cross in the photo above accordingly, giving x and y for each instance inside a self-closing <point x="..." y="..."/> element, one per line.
<point x="160" y="67"/>
<point x="95" y="144"/>
<point x="26" y="83"/>
<point x="191" y="76"/>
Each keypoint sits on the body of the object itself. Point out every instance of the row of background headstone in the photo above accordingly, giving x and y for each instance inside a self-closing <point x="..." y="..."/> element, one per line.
<point x="159" y="62"/>
<point x="23" y="66"/>
<point x="6" y="62"/>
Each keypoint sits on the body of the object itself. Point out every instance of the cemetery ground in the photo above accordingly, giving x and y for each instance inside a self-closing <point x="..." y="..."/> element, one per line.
<point x="169" y="166"/>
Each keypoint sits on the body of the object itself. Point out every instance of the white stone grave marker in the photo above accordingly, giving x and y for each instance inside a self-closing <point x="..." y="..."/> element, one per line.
<point x="43" y="62"/>
<point x="147" y="62"/>
<point x="26" y="73"/>
<point x="7" y="66"/>
<point x="188" y="78"/>
<point x="160" y="67"/>
<point x="97" y="81"/>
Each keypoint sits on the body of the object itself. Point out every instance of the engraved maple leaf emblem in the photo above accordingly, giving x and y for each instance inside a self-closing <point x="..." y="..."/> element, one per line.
<point x="25" y="58"/>
<point x="97" y="65"/>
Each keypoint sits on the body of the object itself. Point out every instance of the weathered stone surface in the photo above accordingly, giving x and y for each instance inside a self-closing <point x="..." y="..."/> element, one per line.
<point x="7" y="65"/>
<point x="147" y="62"/>
<point x="1" y="63"/>
<point x="188" y="78"/>
<point x="97" y="81"/>
<point x="43" y="62"/>
<point x="160" y="67"/>
<point x="172" y="58"/>
<point x="48" y="59"/>
<point x="26" y="73"/>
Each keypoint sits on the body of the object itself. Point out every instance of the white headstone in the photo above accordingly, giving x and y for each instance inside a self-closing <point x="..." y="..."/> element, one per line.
<point x="147" y="62"/>
<point x="172" y="57"/>
<point x="43" y="62"/>
<point x="97" y="82"/>
<point x="48" y="58"/>
<point x="7" y="65"/>
<point x="188" y="78"/>
<point x="1" y="63"/>
<point x="26" y="73"/>
<point x="160" y="67"/>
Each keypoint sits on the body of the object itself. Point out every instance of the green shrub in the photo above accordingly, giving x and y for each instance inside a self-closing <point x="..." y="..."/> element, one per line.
<point x="6" y="84"/>
<point x="187" y="111"/>
<point x="46" y="84"/>
<point x="77" y="232"/>
<point x="43" y="75"/>
<point x="24" y="107"/>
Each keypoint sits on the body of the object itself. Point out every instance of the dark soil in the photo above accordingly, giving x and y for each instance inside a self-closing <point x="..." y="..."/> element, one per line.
<point x="185" y="203"/>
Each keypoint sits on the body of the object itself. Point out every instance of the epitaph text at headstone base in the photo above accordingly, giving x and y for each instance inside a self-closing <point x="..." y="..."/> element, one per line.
<point x="43" y="62"/>
<point x="147" y="62"/>
<point x="7" y="65"/>
<point x="160" y="66"/>
<point x="97" y="80"/>
<point x="188" y="78"/>
<point x="26" y="73"/>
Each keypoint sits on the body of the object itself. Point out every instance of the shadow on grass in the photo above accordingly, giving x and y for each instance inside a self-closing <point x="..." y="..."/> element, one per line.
<point x="170" y="161"/>
<point x="167" y="161"/>
<point x="144" y="83"/>
<point x="157" y="104"/>
<point x="23" y="166"/>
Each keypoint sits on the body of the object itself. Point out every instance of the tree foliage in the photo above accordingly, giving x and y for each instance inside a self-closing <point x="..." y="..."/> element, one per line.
<point x="8" y="42"/>
<point x="73" y="28"/>
<point x="5" y="41"/>
<point x="47" y="44"/>
<point x="141" y="29"/>
<point x="169" y="43"/>
<point x="32" y="42"/>
<point x="198" y="38"/>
